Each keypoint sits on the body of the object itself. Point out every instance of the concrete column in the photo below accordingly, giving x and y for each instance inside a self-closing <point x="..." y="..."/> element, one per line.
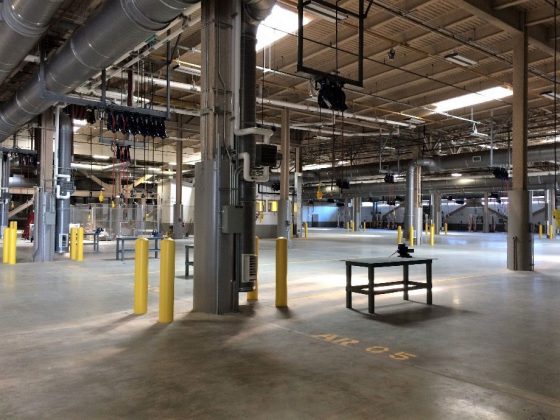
<point x="284" y="207"/>
<point x="550" y="206"/>
<point x="436" y="211"/>
<point x="45" y="212"/>
<point x="485" y="214"/>
<point x="519" y="249"/>
<point x="214" y="257"/>
<point x="357" y="212"/>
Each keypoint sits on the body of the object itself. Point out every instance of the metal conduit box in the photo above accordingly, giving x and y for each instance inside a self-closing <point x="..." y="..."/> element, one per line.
<point x="249" y="270"/>
<point x="232" y="219"/>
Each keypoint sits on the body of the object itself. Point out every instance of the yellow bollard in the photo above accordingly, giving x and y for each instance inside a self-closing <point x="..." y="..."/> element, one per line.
<point x="399" y="235"/>
<point x="254" y="295"/>
<point x="12" y="238"/>
<point x="445" y="228"/>
<point x="141" y="276"/>
<point x="73" y="243"/>
<point x="540" y="231"/>
<point x="351" y="225"/>
<point x="305" y="230"/>
<point x="281" y="273"/>
<point x="426" y="228"/>
<point x="167" y="281"/>
<point x="550" y="231"/>
<point x="13" y="224"/>
<point x="6" y="246"/>
<point x="364" y="225"/>
<point x="80" y="244"/>
<point x="410" y="236"/>
<point x="432" y="234"/>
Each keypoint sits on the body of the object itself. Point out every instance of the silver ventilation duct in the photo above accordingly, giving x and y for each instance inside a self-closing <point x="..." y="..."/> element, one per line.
<point x="4" y="190"/>
<point x="65" y="143"/>
<point x="117" y="28"/>
<point x="254" y="12"/>
<point x="22" y="24"/>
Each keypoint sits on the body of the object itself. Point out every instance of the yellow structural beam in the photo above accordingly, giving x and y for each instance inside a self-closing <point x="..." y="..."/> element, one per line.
<point x="281" y="273"/>
<point x="141" y="276"/>
<point x="254" y="294"/>
<point x="167" y="281"/>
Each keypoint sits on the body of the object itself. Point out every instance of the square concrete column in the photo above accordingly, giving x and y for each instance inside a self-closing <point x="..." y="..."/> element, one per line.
<point x="284" y="206"/>
<point x="519" y="247"/>
<point x="485" y="214"/>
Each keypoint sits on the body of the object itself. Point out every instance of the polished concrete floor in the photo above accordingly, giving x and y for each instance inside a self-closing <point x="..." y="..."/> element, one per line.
<point x="489" y="348"/>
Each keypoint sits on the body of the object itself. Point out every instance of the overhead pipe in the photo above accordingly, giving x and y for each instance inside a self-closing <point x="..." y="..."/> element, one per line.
<point x="450" y="185"/>
<point x="22" y="24"/>
<point x="471" y="160"/>
<point x="316" y="110"/>
<point x="115" y="30"/>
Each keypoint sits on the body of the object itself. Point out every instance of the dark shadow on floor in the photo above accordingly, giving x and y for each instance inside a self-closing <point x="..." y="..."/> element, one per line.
<point x="408" y="313"/>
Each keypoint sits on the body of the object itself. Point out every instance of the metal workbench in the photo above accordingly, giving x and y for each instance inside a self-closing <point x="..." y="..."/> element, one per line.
<point x="372" y="289"/>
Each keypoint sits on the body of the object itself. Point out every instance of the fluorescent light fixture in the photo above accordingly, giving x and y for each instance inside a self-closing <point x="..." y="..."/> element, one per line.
<point x="456" y="174"/>
<point x="460" y="60"/>
<point x="550" y="95"/>
<point x="101" y="157"/>
<point x="187" y="68"/>
<point x="77" y="124"/>
<point x="316" y="166"/>
<point x="471" y="99"/>
<point x="279" y="23"/>
<point x="475" y="132"/>
<point x="326" y="13"/>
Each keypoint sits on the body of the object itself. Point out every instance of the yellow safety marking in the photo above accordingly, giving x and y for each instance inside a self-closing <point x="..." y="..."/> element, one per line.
<point x="379" y="350"/>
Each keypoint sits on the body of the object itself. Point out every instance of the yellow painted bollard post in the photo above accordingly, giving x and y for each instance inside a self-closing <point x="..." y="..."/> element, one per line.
<point x="410" y="236"/>
<point x="281" y="273"/>
<point x="73" y="243"/>
<point x="351" y="225"/>
<point x="426" y="229"/>
<point x="445" y="228"/>
<point x="254" y="294"/>
<point x="540" y="231"/>
<point x="167" y="281"/>
<point x="305" y="230"/>
<point x="13" y="246"/>
<point x="80" y="246"/>
<point x="141" y="276"/>
<point x="399" y="234"/>
<point x="6" y="246"/>
<point x="550" y="231"/>
<point x="364" y="226"/>
<point x="432" y="234"/>
<point x="13" y="224"/>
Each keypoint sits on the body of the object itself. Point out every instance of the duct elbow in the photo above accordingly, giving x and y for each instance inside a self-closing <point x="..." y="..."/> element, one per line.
<point x="258" y="10"/>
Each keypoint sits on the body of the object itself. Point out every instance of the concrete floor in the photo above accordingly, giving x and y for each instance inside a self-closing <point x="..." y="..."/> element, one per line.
<point x="488" y="348"/>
